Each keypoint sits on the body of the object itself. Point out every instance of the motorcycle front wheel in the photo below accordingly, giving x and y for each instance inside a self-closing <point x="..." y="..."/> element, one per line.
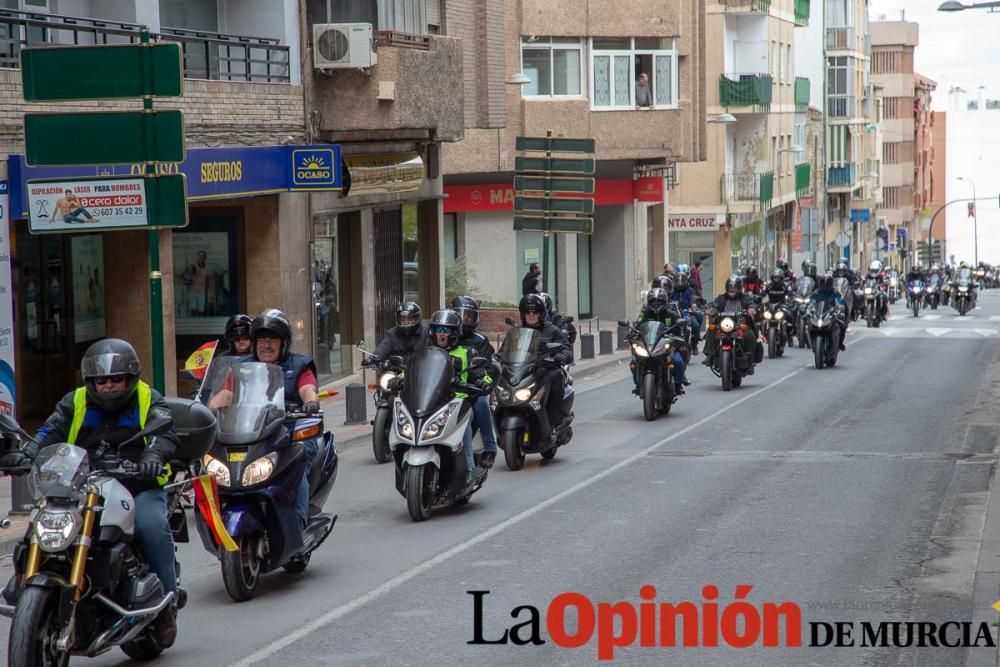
<point x="726" y="369"/>
<point x="649" y="396"/>
<point x="819" y="351"/>
<point x="380" y="435"/>
<point x="512" y="452"/>
<point x="419" y="492"/>
<point x="772" y="343"/>
<point x="241" y="569"/>
<point x="35" y="629"/>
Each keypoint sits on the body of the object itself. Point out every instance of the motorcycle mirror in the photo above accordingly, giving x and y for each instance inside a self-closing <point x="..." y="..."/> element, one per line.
<point x="509" y="322"/>
<point x="396" y="360"/>
<point x="361" y="344"/>
<point x="623" y="323"/>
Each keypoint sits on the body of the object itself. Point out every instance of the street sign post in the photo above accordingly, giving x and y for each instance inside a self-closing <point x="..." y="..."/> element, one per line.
<point x="141" y="70"/>
<point x="550" y="144"/>
<point x="549" y="223"/>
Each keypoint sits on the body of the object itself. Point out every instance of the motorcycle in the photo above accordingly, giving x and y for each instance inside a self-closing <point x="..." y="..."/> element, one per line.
<point x="874" y="302"/>
<point x="981" y="278"/>
<point x="521" y="408"/>
<point x="775" y="324"/>
<point x="933" y="292"/>
<point x="258" y="460"/>
<point x="733" y="333"/>
<point x="824" y="333"/>
<point x="80" y="585"/>
<point x="430" y="422"/>
<point x="858" y="302"/>
<point x="965" y="292"/>
<point x="803" y="290"/>
<point x="893" y="288"/>
<point x="387" y="372"/>
<point x="915" y="296"/>
<point x="653" y="345"/>
<point x="842" y="286"/>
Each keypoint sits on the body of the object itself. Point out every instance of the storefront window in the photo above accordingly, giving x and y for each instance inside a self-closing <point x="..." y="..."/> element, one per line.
<point x="205" y="279"/>
<point x="326" y="285"/>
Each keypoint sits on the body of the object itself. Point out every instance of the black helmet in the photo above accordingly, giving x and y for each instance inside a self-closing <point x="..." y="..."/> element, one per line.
<point x="825" y="282"/>
<point x="275" y="322"/>
<point x="467" y="309"/>
<point x="777" y="275"/>
<point x="237" y="326"/>
<point x="549" y="306"/>
<point x="840" y="270"/>
<point x="656" y="300"/>
<point x="782" y="264"/>
<point x="408" y="317"/>
<point x="445" y="321"/>
<point x="107" y="358"/>
<point x="734" y="286"/>
<point x="753" y="274"/>
<point x="664" y="282"/>
<point x="810" y="270"/>
<point x="681" y="279"/>
<point x="533" y="303"/>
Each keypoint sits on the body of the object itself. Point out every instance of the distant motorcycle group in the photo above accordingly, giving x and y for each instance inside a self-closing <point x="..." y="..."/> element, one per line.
<point x="941" y="285"/>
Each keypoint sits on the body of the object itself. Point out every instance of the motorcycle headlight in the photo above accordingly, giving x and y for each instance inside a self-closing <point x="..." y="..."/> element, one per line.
<point x="963" y="289"/>
<point x="640" y="351"/>
<point x="727" y="324"/>
<point x="56" y="529"/>
<point x="436" y="424"/>
<point x="404" y="425"/>
<point x="259" y="470"/>
<point x="778" y="315"/>
<point x="386" y="380"/>
<point x="217" y="469"/>
<point x="767" y="315"/>
<point x="524" y="393"/>
<point x="868" y="291"/>
<point x="930" y="290"/>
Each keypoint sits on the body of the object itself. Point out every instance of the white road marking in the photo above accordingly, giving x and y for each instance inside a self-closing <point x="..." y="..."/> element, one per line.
<point x="986" y="332"/>
<point x="930" y="316"/>
<point x="938" y="332"/>
<point x="994" y="318"/>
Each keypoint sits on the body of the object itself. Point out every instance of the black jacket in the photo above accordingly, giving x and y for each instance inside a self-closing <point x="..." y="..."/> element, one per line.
<point x="553" y="334"/>
<point x="479" y="343"/>
<point x="402" y="344"/>
<point x="724" y="304"/>
<point x="776" y="293"/>
<point x="531" y="284"/>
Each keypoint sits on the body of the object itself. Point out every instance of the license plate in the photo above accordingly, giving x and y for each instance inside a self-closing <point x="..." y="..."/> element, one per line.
<point x="237" y="457"/>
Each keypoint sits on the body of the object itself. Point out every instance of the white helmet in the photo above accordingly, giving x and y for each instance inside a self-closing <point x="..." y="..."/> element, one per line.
<point x="875" y="266"/>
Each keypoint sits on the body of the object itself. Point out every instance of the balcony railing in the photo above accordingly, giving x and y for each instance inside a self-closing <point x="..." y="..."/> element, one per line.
<point x="758" y="6"/>
<point x="738" y="188"/>
<point x="403" y="40"/>
<point x="745" y="90"/>
<point x="803" y="178"/>
<point x="801" y="12"/>
<point x="802" y="89"/>
<point x="205" y="55"/>
<point x="766" y="188"/>
<point x="841" y="107"/>
<point x="841" y="176"/>
<point x="840" y="38"/>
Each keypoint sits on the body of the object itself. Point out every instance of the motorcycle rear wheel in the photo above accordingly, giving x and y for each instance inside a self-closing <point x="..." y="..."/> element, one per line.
<point x="512" y="452"/>
<point x="34" y="629"/>
<point x="419" y="495"/>
<point x="649" y="396"/>
<point x="241" y="569"/>
<point x="380" y="435"/>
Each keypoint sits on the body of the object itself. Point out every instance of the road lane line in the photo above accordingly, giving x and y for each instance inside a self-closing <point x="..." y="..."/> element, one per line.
<point x="414" y="572"/>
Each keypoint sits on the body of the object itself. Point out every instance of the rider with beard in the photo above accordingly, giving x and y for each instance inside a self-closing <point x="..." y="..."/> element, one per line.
<point x="660" y="308"/>
<point x="827" y="294"/>
<point x="683" y="294"/>
<point x="534" y="315"/>
<point x="733" y="300"/>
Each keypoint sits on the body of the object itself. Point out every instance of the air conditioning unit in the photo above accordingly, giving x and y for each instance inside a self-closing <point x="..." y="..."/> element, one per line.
<point x="343" y="46"/>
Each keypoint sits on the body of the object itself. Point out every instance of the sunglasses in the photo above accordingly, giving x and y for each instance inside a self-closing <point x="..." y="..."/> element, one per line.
<point x="240" y="337"/>
<point x="109" y="378"/>
<point x="442" y="330"/>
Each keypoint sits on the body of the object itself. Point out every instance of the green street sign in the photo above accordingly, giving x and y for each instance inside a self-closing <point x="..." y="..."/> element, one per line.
<point x="101" y="72"/>
<point x="71" y="139"/>
<point x="553" y="224"/>
<point x="554" y="204"/>
<point x="554" y="165"/>
<point x="58" y="206"/>
<point x="582" y="186"/>
<point x="554" y="144"/>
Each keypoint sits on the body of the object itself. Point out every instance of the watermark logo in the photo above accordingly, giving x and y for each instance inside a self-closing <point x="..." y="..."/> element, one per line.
<point x="313" y="167"/>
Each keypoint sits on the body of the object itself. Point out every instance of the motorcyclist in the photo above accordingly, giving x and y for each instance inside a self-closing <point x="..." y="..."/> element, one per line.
<point x="402" y="340"/>
<point x="271" y="340"/>
<point x="733" y="300"/>
<point x="776" y="291"/>
<point x="535" y="316"/>
<point x="683" y="295"/>
<point x="564" y="322"/>
<point x="445" y="332"/>
<point x="660" y="308"/>
<point x="752" y="283"/>
<point x="826" y="293"/>
<point x="467" y="309"/>
<point x="782" y="264"/>
<point x="877" y="273"/>
<point x="112" y="406"/>
<point x="842" y="270"/>
<point x="236" y="336"/>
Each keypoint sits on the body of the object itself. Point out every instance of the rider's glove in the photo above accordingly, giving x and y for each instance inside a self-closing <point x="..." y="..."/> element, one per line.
<point x="150" y="464"/>
<point x="15" y="459"/>
<point x="311" y="407"/>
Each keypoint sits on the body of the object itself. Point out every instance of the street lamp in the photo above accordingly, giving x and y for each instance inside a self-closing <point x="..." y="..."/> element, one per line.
<point x="975" y="218"/>
<point x="955" y="6"/>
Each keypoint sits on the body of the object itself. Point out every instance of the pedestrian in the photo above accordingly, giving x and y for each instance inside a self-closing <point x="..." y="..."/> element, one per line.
<point x="643" y="93"/>
<point x="532" y="281"/>
<point x="696" y="277"/>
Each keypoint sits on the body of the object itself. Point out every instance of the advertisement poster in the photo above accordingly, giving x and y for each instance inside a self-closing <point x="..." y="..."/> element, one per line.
<point x="7" y="386"/>
<point x="88" y="287"/>
<point x="202" y="290"/>
<point x="79" y="206"/>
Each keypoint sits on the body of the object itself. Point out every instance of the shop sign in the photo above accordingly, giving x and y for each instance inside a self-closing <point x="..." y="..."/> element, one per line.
<point x="382" y="174"/>
<point x="500" y="196"/>
<point x="694" y="223"/>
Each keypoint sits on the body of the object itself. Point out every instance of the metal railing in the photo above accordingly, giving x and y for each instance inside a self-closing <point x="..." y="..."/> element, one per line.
<point x="841" y="107"/>
<point x="206" y="55"/>
<point x="404" y="40"/>
<point x="841" y="176"/>
<point x="745" y="90"/>
<point x="737" y="188"/>
<point x="840" y="38"/>
<point x="760" y="6"/>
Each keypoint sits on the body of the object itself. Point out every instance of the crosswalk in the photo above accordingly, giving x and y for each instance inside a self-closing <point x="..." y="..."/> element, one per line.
<point x="944" y="333"/>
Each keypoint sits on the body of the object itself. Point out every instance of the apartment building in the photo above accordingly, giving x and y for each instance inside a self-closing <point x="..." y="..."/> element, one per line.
<point x="582" y="60"/>
<point x="907" y="151"/>
<point x="939" y="178"/>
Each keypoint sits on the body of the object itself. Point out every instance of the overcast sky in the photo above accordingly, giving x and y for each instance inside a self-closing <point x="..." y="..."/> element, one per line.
<point x="956" y="48"/>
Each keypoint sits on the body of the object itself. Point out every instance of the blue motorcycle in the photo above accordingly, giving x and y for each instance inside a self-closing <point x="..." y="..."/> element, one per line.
<point x="258" y="460"/>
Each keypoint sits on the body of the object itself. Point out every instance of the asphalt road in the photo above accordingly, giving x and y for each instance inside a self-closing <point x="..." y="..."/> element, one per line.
<point x="858" y="492"/>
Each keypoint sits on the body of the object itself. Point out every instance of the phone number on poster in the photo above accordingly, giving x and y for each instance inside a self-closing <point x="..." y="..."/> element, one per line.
<point x="113" y="212"/>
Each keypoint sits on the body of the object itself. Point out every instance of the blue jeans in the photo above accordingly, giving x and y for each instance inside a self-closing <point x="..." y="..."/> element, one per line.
<point x="484" y="420"/>
<point x="152" y="532"/>
<point x="470" y="460"/>
<point x="310" y="448"/>
<point x="680" y="369"/>
<point x="697" y="322"/>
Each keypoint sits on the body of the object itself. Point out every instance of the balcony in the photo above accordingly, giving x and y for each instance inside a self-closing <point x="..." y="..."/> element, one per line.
<point x="803" y="179"/>
<point x="802" y="89"/>
<point x="205" y="55"/>
<point x="754" y="6"/>
<point x="740" y="90"/>
<point x="740" y="188"/>
<point x="841" y="107"/>
<point x="843" y="178"/>
<point x="801" y="12"/>
<point x="840" y="38"/>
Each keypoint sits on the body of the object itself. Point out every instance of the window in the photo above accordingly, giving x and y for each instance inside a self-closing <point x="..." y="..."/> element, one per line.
<point x="618" y="63"/>
<point x="554" y="66"/>
<point x="410" y="16"/>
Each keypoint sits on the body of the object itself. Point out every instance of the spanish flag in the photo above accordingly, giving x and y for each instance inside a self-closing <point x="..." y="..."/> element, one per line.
<point x="206" y="494"/>
<point x="198" y="362"/>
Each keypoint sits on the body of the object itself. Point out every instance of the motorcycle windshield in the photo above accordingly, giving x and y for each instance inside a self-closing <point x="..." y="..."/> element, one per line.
<point x="245" y="395"/>
<point x="965" y="275"/>
<point x="520" y="346"/>
<point x="650" y="332"/>
<point x="842" y="285"/>
<point x="429" y="373"/>
<point x="804" y="286"/>
<point x="59" y="471"/>
<point x="934" y="281"/>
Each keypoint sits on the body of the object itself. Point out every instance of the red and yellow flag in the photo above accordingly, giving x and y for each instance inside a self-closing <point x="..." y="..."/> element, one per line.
<point x="206" y="494"/>
<point x="199" y="360"/>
